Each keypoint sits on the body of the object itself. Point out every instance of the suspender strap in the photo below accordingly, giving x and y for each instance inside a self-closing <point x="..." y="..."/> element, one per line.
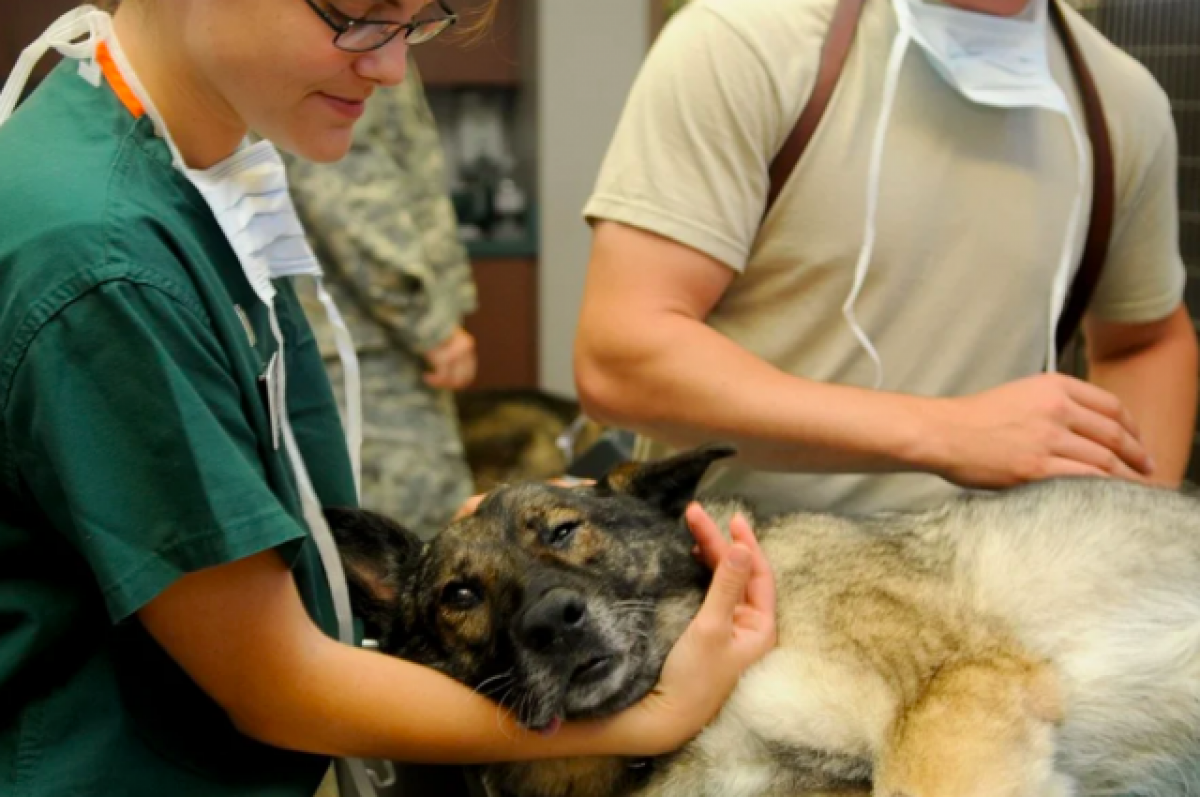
<point x="1095" y="250"/>
<point x="833" y="58"/>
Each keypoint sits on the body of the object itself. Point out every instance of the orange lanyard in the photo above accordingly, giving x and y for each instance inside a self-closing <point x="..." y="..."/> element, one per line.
<point x="117" y="81"/>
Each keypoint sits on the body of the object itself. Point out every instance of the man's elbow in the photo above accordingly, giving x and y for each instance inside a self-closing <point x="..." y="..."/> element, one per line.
<point x="598" y="383"/>
<point x="617" y="377"/>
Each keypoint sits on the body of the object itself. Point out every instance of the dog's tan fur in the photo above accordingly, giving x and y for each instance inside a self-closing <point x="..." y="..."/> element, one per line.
<point x="1042" y="642"/>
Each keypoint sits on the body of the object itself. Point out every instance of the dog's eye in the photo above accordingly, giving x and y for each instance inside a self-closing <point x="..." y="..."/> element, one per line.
<point x="561" y="534"/>
<point x="461" y="596"/>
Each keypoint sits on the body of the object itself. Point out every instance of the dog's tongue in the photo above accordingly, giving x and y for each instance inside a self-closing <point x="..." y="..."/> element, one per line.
<point x="552" y="728"/>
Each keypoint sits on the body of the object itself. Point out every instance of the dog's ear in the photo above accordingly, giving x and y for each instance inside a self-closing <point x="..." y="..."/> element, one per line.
<point x="379" y="556"/>
<point x="667" y="483"/>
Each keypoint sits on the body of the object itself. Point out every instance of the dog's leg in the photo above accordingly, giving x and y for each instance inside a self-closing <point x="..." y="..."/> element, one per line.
<point x="982" y="728"/>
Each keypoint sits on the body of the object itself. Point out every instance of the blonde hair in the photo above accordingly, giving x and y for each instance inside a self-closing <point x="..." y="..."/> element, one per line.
<point x="477" y="21"/>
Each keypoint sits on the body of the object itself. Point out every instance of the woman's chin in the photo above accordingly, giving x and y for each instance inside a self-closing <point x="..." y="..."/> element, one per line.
<point x="325" y="145"/>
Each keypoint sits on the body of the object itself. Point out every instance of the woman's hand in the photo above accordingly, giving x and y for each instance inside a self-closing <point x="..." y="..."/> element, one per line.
<point x="734" y="628"/>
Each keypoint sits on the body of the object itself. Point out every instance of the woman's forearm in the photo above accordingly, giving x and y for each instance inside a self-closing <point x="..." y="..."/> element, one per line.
<point x="395" y="710"/>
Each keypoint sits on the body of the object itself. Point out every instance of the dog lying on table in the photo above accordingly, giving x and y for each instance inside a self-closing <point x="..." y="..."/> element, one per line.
<point x="1037" y="642"/>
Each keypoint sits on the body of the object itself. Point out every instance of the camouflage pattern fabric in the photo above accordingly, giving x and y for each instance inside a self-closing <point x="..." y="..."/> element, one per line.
<point x="384" y="228"/>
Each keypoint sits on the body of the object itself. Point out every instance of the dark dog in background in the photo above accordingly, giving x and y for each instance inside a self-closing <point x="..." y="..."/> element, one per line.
<point x="1039" y="642"/>
<point x="517" y="435"/>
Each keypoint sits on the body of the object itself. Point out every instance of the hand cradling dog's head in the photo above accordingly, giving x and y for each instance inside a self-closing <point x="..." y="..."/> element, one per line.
<point x="559" y="603"/>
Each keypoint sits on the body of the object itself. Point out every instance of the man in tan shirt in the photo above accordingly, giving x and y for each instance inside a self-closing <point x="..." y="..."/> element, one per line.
<point x="703" y="320"/>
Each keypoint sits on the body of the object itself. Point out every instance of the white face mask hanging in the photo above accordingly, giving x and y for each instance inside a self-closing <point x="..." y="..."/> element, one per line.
<point x="248" y="195"/>
<point x="990" y="60"/>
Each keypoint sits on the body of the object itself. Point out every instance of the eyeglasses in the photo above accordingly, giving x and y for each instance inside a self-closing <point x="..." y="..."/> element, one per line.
<point x="361" y="35"/>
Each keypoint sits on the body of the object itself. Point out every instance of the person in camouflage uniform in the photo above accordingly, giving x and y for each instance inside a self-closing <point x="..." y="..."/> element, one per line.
<point x="383" y="226"/>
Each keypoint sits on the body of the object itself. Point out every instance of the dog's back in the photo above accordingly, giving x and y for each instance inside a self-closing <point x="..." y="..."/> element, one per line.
<point x="1098" y="577"/>
<point x="1103" y="579"/>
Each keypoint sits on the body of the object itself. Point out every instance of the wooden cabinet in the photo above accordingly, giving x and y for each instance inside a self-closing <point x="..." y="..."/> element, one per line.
<point x="506" y="325"/>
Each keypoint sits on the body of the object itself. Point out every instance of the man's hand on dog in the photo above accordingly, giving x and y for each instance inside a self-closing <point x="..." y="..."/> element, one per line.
<point x="1036" y="428"/>
<point x="733" y="629"/>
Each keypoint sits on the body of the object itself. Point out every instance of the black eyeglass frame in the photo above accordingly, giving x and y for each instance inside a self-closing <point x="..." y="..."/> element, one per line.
<point x="340" y="29"/>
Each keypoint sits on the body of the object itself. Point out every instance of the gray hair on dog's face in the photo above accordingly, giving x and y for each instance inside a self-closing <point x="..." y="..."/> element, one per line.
<point x="560" y="603"/>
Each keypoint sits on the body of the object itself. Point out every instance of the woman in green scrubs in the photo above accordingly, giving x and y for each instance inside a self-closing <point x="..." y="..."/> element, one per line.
<point x="166" y="625"/>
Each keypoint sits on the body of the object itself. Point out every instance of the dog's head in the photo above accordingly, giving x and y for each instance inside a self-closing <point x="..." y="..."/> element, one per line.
<point x="560" y="603"/>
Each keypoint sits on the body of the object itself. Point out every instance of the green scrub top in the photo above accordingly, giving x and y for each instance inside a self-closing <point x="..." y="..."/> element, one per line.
<point x="135" y="447"/>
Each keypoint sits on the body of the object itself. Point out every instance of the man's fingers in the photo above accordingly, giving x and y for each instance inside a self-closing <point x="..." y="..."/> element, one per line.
<point x="1112" y="436"/>
<point x="1101" y="401"/>
<point x="436" y="379"/>
<point x="453" y="366"/>
<point x="1090" y="458"/>
<point x="457" y="377"/>
<point x="1070" y="467"/>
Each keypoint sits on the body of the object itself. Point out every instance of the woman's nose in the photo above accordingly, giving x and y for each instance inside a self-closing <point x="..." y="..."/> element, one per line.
<point x="385" y="66"/>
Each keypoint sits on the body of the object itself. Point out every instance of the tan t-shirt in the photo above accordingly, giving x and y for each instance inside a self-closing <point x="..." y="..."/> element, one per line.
<point x="973" y="210"/>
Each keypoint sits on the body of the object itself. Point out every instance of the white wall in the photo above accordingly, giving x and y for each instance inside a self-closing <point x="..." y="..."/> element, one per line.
<point x="589" y="52"/>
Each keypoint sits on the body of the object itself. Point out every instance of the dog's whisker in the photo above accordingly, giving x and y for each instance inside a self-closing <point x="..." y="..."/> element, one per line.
<point x="495" y="689"/>
<point x="500" y="710"/>
<point x="504" y="675"/>
<point x="523" y="708"/>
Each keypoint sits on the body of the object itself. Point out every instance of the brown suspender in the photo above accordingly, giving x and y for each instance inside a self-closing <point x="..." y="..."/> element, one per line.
<point x="833" y="58"/>
<point x="1095" y="250"/>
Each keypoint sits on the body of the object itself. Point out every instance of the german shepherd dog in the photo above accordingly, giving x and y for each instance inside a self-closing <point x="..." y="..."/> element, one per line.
<point x="1037" y="642"/>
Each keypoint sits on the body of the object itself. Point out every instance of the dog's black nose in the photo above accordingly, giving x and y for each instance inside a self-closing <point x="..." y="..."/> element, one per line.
<point x="554" y="618"/>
